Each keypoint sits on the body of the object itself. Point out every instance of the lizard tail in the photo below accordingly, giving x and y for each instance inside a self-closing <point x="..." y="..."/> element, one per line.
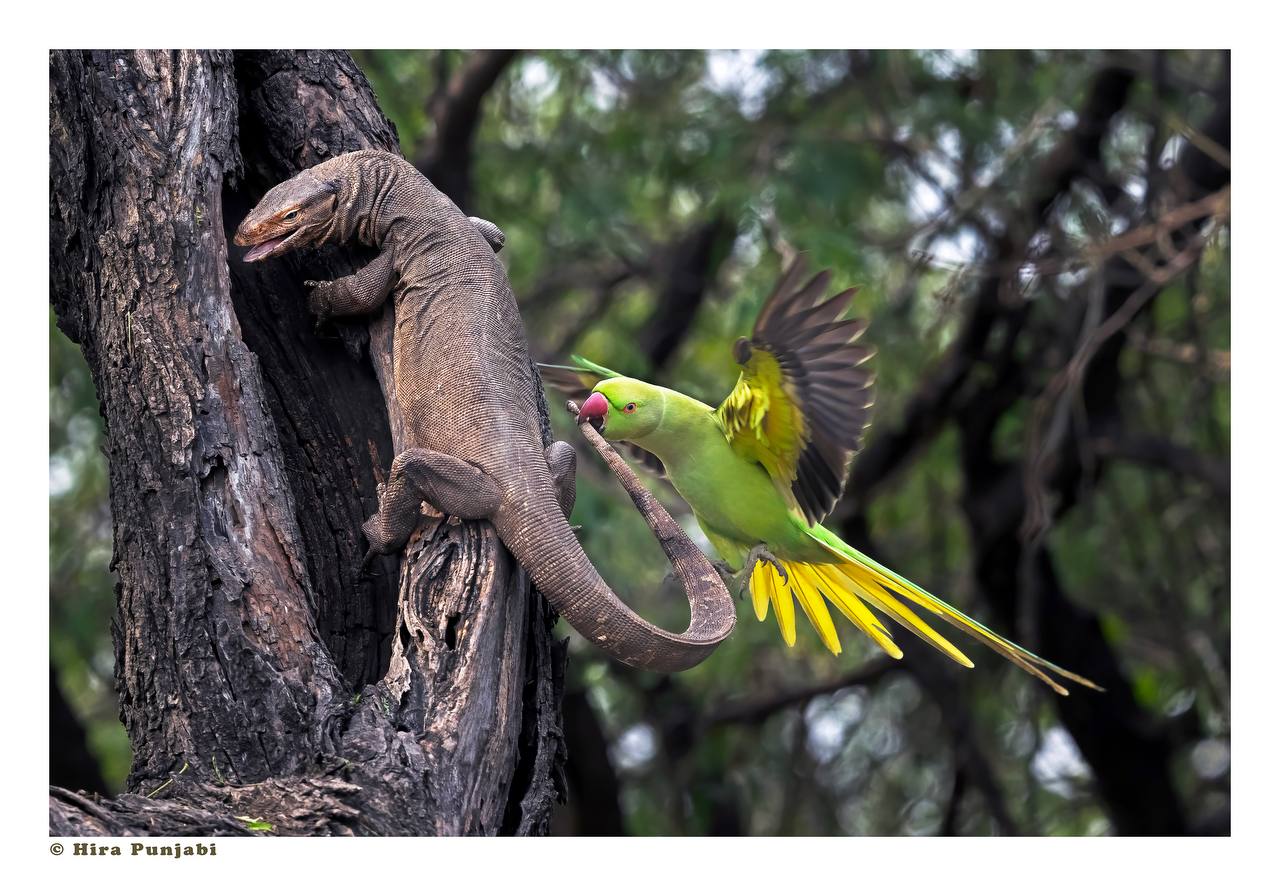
<point x="551" y="553"/>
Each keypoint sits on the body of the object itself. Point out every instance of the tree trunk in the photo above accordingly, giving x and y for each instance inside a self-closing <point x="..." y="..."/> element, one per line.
<point x="257" y="676"/>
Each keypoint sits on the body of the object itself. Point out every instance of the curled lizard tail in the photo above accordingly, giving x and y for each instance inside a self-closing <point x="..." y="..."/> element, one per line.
<point x="551" y="553"/>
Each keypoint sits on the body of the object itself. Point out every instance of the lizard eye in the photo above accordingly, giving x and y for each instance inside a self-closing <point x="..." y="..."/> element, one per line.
<point x="291" y="215"/>
<point x="630" y="407"/>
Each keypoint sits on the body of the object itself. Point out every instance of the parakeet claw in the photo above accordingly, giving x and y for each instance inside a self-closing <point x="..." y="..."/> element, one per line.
<point x="761" y="552"/>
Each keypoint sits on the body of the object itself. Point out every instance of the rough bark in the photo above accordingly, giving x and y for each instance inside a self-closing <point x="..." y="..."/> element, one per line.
<point x="257" y="677"/>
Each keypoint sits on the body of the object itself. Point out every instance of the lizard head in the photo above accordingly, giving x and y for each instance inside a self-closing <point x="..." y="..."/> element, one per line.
<point x="294" y="213"/>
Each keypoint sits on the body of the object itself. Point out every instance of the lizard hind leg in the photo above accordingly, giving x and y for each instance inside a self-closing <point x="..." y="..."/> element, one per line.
<point x="447" y="485"/>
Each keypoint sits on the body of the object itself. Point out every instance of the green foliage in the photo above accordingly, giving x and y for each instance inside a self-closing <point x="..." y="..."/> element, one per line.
<point x="81" y="597"/>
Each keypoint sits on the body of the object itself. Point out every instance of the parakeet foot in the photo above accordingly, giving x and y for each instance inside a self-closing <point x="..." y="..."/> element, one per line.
<point x="727" y="575"/>
<point x="761" y="552"/>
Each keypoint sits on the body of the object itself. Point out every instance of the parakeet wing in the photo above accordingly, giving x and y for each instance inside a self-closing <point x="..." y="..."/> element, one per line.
<point x="803" y="398"/>
<point x="576" y="382"/>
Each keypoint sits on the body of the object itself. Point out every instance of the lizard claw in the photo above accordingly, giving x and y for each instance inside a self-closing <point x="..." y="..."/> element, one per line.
<point x="318" y="299"/>
<point x="363" y="569"/>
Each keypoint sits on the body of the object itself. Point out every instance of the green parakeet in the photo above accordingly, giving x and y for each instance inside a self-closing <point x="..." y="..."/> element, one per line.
<point x="765" y="467"/>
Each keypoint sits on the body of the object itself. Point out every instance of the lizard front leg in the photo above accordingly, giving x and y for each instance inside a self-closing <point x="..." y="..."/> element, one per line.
<point x="446" y="484"/>
<point x="360" y="293"/>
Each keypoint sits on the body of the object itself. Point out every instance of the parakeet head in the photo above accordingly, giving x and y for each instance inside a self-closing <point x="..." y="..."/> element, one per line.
<point x="624" y="408"/>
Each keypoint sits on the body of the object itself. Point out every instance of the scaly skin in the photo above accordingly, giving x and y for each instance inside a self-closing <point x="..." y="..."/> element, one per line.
<point x="463" y="378"/>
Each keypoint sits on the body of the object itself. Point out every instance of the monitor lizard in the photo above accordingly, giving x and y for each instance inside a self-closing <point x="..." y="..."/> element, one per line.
<point x="465" y="383"/>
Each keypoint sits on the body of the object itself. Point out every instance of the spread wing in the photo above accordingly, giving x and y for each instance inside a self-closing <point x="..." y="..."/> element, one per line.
<point x="577" y="381"/>
<point x="803" y="398"/>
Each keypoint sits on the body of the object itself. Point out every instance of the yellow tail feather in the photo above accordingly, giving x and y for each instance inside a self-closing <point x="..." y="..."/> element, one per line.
<point x="760" y="590"/>
<point x="867" y="571"/>
<point x="809" y="583"/>
<point x="806" y="591"/>
<point x="851" y="584"/>
<point x="890" y="606"/>
<point x="820" y="576"/>
<point x="779" y="596"/>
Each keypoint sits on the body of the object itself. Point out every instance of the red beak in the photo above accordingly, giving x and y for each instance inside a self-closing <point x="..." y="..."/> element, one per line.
<point x="596" y="407"/>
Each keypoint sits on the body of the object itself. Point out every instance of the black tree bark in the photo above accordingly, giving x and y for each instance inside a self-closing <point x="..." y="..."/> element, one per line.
<point x="257" y="677"/>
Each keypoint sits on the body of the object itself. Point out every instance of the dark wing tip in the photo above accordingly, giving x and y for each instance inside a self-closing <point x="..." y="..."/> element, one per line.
<point x="646" y="459"/>
<point x="816" y="351"/>
<point x="565" y="379"/>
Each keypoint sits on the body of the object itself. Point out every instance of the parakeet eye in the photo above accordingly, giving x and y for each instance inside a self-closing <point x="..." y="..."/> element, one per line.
<point x="630" y="407"/>
<point x="291" y="215"/>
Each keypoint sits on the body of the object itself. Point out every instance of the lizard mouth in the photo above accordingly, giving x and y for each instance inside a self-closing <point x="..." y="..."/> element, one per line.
<point x="267" y="247"/>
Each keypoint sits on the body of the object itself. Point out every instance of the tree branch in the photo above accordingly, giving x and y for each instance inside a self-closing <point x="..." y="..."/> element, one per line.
<point x="689" y="272"/>
<point x="757" y="711"/>
<point x="455" y="109"/>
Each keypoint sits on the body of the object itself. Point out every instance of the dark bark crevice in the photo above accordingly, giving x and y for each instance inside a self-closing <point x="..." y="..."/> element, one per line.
<point x="333" y="424"/>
